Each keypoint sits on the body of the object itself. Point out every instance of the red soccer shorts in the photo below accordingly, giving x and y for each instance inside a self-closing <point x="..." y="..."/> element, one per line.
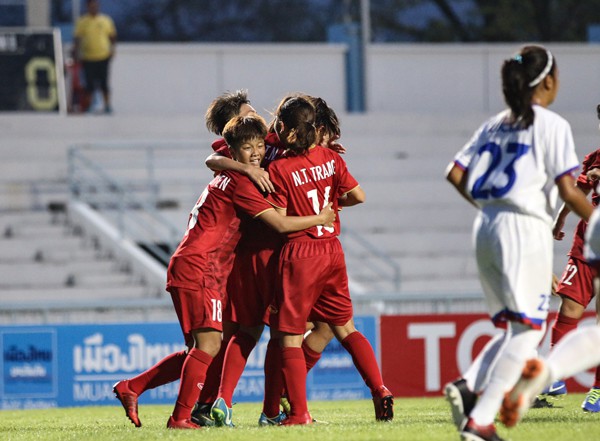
<point x="577" y="282"/>
<point x="312" y="285"/>
<point x="250" y="286"/>
<point x="197" y="309"/>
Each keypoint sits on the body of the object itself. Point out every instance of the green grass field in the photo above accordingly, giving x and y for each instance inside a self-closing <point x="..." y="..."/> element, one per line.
<point x="426" y="419"/>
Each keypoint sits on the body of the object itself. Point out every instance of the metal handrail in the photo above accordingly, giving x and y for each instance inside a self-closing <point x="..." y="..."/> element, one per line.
<point x="124" y="199"/>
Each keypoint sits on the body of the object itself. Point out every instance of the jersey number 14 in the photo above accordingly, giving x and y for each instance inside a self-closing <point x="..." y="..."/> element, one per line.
<point x="314" y="198"/>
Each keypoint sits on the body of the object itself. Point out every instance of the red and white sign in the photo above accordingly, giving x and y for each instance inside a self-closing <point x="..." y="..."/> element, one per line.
<point x="421" y="353"/>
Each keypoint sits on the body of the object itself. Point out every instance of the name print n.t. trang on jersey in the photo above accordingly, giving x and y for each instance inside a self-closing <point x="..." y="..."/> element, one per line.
<point x="313" y="174"/>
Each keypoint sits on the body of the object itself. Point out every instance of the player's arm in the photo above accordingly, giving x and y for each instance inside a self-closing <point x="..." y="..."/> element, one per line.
<point x="574" y="198"/>
<point x="559" y="222"/>
<point x="288" y="224"/>
<point x="217" y="162"/>
<point x="353" y="197"/>
<point x="457" y="176"/>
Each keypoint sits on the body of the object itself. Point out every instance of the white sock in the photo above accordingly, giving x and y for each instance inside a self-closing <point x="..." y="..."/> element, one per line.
<point x="577" y="351"/>
<point x="478" y="373"/>
<point x="522" y="341"/>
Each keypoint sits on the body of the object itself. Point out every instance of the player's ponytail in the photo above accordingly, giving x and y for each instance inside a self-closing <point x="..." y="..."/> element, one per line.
<point x="520" y="77"/>
<point x="296" y="118"/>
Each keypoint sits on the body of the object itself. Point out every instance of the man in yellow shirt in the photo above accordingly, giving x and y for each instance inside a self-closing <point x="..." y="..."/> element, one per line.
<point x="95" y="38"/>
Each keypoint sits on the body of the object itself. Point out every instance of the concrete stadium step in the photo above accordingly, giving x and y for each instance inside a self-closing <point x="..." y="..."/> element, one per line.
<point x="14" y="231"/>
<point x="109" y="279"/>
<point x="41" y="294"/>
<point x="25" y="217"/>
<point x="442" y="286"/>
<point x="428" y="243"/>
<point x="390" y="168"/>
<point x="84" y="253"/>
<point x="425" y="267"/>
<point x="396" y="195"/>
<point x="17" y="194"/>
<point x="49" y="274"/>
<point x="410" y="218"/>
<point x="26" y="248"/>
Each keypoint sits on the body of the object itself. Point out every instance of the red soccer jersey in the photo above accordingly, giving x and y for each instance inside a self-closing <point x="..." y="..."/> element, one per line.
<point x="590" y="162"/>
<point x="304" y="184"/>
<point x="213" y="231"/>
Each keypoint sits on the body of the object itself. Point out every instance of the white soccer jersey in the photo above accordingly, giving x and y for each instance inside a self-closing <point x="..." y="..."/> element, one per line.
<point x="517" y="169"/>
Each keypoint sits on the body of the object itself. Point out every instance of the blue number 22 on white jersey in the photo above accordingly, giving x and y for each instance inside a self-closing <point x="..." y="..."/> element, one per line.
<point x="482" y="189"/>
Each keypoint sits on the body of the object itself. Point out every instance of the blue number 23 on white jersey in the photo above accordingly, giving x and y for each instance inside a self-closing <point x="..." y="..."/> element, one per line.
<point x="482" y="187"/>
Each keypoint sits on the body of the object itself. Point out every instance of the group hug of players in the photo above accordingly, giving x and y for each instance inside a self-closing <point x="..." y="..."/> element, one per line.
<point x="261" y="247"/>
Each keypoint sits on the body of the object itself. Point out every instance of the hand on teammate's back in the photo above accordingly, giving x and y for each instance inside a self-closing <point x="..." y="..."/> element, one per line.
<point x="261" y="178"/>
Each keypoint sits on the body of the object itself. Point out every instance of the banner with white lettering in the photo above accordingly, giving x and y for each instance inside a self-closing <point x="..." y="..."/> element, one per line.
<point x="421" y="353"/>
<point x="77" y="365"/>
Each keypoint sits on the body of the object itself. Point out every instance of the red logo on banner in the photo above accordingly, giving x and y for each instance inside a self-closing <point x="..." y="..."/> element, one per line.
<point x="421" y="353"/>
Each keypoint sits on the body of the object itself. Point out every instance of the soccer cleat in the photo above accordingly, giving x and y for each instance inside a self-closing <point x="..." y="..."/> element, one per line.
<point x="541" y="403"/>
<point x="264" y="420"/>
<point x="201" y="415"/>
<point x="475" y="432"/>
<point x="181" y="424"/>
<point x="129" y="401"/>
<point x="221" y="413"/>
<point x="461" y="400"/>
<point x="294" y="420"/>
<point x="592" y="400"/>
<point x="534" y="377"/>
<point x="383" y="401"/>
<point x="555" y="390"/>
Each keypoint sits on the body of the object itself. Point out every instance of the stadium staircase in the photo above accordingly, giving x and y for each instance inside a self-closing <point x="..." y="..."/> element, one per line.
<point x="54" y="269"/>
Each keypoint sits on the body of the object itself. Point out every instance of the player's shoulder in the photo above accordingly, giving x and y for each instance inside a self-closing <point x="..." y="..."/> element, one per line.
<point x="326" y="152"/>
<point x="591" y="160"/>
<point x="592" y="155"/>
<point x="232" y="176"/>
<point x="493" y="124"/>
<point x="547" y="117"/>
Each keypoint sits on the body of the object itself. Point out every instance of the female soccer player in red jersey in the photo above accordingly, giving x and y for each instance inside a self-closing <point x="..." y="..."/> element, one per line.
<point x="195" y="272"/>
<point x="312" y="280"/>
<point x="576" y="286"/>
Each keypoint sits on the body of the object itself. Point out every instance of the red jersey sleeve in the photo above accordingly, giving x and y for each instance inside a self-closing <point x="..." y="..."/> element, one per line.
<point x="248" y="199"/>
<point x="590" y="162"/>
<point x="220" y="146"/>
<point x="347" y="181"/>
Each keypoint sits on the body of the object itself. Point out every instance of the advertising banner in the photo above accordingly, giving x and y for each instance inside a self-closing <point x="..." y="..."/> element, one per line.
<point x="77" y="365"/>
<point x="421" y="353"/>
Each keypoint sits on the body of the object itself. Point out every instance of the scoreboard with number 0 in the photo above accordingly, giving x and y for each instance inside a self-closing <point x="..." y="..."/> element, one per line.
<point x="31" y="71"/>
